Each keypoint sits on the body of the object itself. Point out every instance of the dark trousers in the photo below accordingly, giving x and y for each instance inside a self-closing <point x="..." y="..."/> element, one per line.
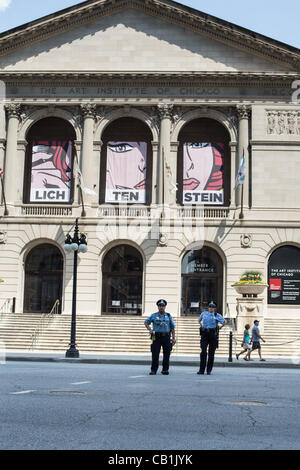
<point x="164" y="342"/>
<point x="208" y="340"/>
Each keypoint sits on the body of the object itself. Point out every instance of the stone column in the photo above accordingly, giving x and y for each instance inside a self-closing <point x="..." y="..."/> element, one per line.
<point x="165" y="112"/>
<point x="243" y="112"/>
<point x="11" y="161"/>
<point x="19" y="178"/>
<point x="89" y="166"/>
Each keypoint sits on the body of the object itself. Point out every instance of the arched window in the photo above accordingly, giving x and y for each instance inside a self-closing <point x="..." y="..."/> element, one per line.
<point x="43" y="278"/>
<point x="48" y="164"/>
<point x="126" y="163"/>
<point x="204" y="164"/>
<point x="284" y="276"/>
<point x="122" y="287"/>
<point x="202" y="280"/>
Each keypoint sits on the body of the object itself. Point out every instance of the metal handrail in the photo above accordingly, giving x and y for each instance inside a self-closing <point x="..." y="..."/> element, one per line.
<point x="40" y="325"/>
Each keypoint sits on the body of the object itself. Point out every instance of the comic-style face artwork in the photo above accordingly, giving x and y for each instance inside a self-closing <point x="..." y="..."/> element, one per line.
<point x="126" y="172"/>
<point x="203" y="178"/>
<point x="51" y="171"/>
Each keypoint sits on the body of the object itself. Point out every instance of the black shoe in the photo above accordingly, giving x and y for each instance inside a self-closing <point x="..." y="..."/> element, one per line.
<point x="200" y="373"/>
<point x="152" y="373"/>
<point x="208" y="373"/>
<point x="165" y="372"/>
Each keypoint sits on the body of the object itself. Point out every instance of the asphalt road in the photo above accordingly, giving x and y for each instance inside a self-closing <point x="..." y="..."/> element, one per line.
<point x="68" y="406"/>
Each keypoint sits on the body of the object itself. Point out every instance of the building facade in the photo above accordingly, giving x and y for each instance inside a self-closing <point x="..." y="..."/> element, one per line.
<point x="156" y="103"/>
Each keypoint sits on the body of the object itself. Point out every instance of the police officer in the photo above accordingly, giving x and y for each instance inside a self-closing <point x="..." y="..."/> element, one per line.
<point x="163" y="328"/>
<point x="209" y="330"/>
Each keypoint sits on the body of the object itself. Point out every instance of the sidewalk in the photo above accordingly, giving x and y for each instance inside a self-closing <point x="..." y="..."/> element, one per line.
<point x="145" y="359"/>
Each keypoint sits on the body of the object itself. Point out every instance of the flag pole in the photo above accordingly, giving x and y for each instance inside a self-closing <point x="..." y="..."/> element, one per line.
<point x="4" y="199"/>
<point x="241" y="216"/>
<point x="83" y="213"/>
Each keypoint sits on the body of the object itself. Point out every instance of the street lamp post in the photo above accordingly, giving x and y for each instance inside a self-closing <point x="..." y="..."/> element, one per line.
<point x="77" y="244"/>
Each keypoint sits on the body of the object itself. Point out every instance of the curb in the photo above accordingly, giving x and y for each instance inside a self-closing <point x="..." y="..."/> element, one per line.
<point x="146" y="362"/>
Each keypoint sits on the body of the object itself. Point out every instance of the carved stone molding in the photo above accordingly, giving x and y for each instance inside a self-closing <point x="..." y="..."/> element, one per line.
<point x="88" y="110"/>
<point x="165" y="110"/>
<point x="283" y="122"/>
<point x="246" y="240"/>
<point x="14" y="110"/>
<point x="243" y="111"/>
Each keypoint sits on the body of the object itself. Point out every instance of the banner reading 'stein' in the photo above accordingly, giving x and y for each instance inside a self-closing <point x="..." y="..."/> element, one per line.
<point x="203" y="177"/>
<point x="51" y="171"/>
<point x="126" y="172"/>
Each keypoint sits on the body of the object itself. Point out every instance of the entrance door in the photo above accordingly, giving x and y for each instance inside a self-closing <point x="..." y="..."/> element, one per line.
<point x="122" y="281"/>
<point x="202" y="281"/>
<point x="43" y="279"/>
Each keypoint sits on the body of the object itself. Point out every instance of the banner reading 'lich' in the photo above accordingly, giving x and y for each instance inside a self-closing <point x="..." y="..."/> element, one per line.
<point x="51" y="172"/>
<point x="126" y="172"/>
<point x="203" y="177"/>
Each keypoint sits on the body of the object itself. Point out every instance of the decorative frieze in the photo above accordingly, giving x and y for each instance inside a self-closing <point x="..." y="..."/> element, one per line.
<point x="283" y="122"/>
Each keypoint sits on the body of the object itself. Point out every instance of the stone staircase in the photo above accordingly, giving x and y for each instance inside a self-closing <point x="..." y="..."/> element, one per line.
<point x="112" y="334"/>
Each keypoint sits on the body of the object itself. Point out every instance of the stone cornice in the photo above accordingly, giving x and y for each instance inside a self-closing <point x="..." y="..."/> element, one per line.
<point x="166" y="10"/>
<point x="126" y="78"/>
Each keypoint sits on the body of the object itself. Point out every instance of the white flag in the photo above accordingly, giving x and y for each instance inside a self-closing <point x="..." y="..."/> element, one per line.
<point x="240" y="178"/>
<point x="79" y="178"/>
<point x="172" y="186"/>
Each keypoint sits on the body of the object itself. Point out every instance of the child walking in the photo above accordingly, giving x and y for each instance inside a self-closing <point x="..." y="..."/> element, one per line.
<point x="246" y="342"/>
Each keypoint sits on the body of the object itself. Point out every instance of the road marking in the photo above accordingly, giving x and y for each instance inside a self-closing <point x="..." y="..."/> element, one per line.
<point x="22" y="393"/>
<point x="137" y="376"/>
<point x="80" y="383"/>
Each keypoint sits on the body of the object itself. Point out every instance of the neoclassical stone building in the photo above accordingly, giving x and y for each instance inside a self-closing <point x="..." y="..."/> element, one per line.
<point x="157" y="103"/>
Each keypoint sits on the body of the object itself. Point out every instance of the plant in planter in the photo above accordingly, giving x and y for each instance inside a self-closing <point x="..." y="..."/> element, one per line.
<point x="251" y="284"/>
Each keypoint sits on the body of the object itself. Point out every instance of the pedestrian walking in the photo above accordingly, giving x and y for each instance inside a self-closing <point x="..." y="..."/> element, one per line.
<point x="246" y="345"/>
<point x="162" y="335"/>
<point x="255" y="340"/>
<point x="209" y="332"/>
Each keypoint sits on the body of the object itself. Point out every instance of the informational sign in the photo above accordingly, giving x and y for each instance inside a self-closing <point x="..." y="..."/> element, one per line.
<point x="204" y="267"/>
<point x="126" y="170"/>
<point x="284" y="276"/>
<point x="51" y="172"/>
<point x="203" y="178"/>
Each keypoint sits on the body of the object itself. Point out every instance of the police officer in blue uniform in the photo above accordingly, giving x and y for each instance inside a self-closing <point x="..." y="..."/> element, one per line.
<point x="161" y="332"/>
<point x="209" y="330"/>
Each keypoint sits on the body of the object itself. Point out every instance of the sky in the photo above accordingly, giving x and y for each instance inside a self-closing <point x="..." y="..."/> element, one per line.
<point x="276" y="19"/>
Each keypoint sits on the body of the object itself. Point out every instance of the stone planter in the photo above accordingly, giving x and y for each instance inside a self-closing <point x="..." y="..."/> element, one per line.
<point x="249" y="290"/>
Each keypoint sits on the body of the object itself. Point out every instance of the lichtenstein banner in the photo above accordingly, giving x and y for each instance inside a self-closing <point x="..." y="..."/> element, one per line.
<point x="126" y="169"/>
<point x="51" y="171"/>
<point x="203" y="173"/>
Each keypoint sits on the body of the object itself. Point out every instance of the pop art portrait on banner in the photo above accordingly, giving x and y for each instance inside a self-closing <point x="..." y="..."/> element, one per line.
<point x="51" y="171"/>
<point x="126" y="172"/>
<point x="203" y="173"/>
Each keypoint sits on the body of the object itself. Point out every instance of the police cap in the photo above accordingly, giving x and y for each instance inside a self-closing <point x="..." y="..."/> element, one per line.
<point x="161" y="302"/>
<point x="212" y="305"/>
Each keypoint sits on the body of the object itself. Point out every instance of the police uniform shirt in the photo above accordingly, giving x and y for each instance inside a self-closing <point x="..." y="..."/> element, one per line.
<point x="162" y="323"/>
<point x="210" y="320"/>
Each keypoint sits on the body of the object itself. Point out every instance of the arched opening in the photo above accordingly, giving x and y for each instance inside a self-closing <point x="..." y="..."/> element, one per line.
<point x="122" y="288"/>
<point x="43" y="278"/>
<point x="203" y="163"/>
<point x="284" y="276"/>
<point x="202" y="280"/>
<point x="48" y="163"/>
<point x="126" y="162"/>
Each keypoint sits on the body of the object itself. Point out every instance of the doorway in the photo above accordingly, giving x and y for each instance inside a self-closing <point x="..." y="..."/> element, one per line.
<point x="202" y="281"/>
<point x="43" y="279"/>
